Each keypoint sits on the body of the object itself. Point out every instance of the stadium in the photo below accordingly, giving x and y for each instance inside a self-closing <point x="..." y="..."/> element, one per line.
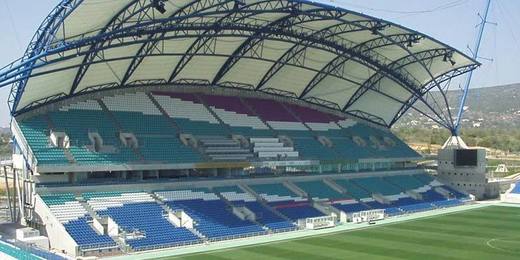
<point x="147" y="128"/>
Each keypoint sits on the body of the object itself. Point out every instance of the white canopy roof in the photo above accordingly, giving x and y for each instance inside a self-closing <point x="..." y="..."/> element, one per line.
<point x="362" y="65"/>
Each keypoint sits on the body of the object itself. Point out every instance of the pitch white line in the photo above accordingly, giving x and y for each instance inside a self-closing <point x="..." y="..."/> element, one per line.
<point x="489" y="243"/>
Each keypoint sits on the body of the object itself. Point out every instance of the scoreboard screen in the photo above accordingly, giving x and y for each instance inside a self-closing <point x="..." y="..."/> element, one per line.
<point x="466" y="157"/>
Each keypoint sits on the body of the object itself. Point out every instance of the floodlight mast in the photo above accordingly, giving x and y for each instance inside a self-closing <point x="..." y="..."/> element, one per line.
<point x="476" y="49"/>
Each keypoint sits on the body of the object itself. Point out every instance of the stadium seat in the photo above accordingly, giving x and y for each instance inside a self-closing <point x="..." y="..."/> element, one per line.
<point x="516" y="189"/>
<point x="138" y="214"/>
<point x="352" y="189"/>
<point x="263" y="215"/>
<point x="318" y="190"/>
<point x="36" y="132"/>
<point x="75" y="219"/>
<point x="285" y="201"/>
<point x="213" y="218"/>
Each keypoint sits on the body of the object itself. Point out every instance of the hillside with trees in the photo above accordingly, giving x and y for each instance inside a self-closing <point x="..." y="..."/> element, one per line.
<point x="492" y="107"/>
<point x="491" y="119"/>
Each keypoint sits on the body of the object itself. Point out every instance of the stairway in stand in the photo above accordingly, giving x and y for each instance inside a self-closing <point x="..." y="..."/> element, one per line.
<point x="220" y="148"/>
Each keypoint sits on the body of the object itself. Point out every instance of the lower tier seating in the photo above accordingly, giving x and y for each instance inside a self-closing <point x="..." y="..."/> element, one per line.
<point x="296" y="210"/>
<point x="139" y="215"/>
<point x="268" y="218"/>
<point x="213" y="217"/>
<point x="263" y="215"/>
<point x="448" y="203"/>
<point x="350" y="207"/>
<point x="377" y="185"/>
<point x="77" y="221"/>
<point x="151" y="221"/>
<point x="285" y="201"/>
<point x="318" y="190"/>
<point x="354" y="190"/>
<point x="516" y="189"/>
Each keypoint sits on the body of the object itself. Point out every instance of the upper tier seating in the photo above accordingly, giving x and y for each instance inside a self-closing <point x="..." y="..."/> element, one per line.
<point x="167" y="114"/>
<point x="35" y="131"/>
<point x="285" y="201"/>
<point x="235" y="114"/>
<point x="263" y="215"/>
<point x="76" y="121"/>
<point x="223" y="148"/>
<point x="156" y="135"/>
<point x="269" y="147"/>
<point x="71" y="214"/>
<point x="318" y="190"/>
<point x="138" y="213"/>
<point x="189" y="114"/>
<point x="311" y="148"/>
<point x="271" y="111"/>
<point x="309" y="115"/>
<point x="167" y="149"/>
<point x="213" y="217"/>
<point x="348" y="149"/>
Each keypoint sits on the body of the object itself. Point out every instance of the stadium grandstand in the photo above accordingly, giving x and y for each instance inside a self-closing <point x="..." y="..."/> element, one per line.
<point x="152" y="124"/>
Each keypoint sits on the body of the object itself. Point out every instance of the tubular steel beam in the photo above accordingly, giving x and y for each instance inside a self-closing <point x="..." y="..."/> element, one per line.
<point x="235" y="16"/>
<point x="151" y="45"/>
<point x="336" y="66"/>
<point x="43" y="36"/>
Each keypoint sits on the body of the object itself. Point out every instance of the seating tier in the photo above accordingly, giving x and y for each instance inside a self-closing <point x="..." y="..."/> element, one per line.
<point x="138" y="214"/>
<point x="516" y="189"/>
<point x="197" y="114"/>
<point x="213" y="217"/>
<point x="262" y="214"/>
<point x="318" y="190"/>
<point x="406" y="182"/>
<point x="377" y="185"/>
<point x="76" y="220"/>
<point x="296" y="210"/>
<point x="350" y="207"/>
<point x="353" y="189"/>
<point x="36" y="132"/>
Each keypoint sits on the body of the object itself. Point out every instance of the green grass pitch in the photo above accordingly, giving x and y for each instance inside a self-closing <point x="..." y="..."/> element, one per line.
<point x="487" y="233"/>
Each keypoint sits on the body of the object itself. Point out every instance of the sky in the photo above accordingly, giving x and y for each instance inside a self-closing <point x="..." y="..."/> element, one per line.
<point x="453" y="22"/>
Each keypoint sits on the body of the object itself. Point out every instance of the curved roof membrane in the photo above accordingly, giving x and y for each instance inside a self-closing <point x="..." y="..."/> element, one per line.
<point x="364" y="66"/>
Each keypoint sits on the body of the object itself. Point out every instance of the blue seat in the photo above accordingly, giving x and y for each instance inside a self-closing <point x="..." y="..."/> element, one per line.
<point x="351" y="208"/>
<point x="448" y="203"/>
<point x="516" y="189"/>
<point x="85" y="236"/>
<point x="268" y="218"/>
<point x="296" y="210"/>
<point x="214" y="219"/>
<point x="148" y="219"/>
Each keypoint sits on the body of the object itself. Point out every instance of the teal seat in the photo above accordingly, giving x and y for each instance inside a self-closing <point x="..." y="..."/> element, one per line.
<point x="318" y="189"/>
<point x="353" y="189"/>
<point x="272" y="189"/>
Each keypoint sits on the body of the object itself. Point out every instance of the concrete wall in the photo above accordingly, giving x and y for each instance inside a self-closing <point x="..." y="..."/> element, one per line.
<point x="469" y="179"/>
<point x="58" y="237"/>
